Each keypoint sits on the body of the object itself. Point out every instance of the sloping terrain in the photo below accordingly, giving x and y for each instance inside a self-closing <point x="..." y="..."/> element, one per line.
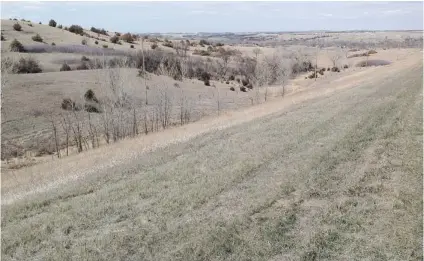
<point x="332" y="174"/>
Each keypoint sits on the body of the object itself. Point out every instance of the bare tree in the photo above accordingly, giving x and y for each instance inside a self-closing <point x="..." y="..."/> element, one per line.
<point x="222" y="64"/>
<point x="144" y="69"/>
<point x="257" y="51"/>
<point x="56" y="138"/>
<point x="66" y="126"/>
<point x="335" y="56"/>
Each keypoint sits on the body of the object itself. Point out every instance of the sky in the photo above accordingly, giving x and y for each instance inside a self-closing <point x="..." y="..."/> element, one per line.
<point x="191" y="17"/>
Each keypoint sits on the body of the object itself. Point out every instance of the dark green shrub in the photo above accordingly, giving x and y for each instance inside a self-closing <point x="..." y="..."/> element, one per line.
<point x="204" y="76"/>
<point x="76" y="29"/>
<point x="207" y="83"/>
<point x="345" y="66"/>
<point x="2" y="37"/>
<point x="17" y="27"/>
<point x="90" y="96"/>
<point x="16" y="46"/>
<point x="65" y="67"/>
<point x="245" y="82"/>
<point x="132" y="46"/>
<point x="53" y="44"/>
<point x="114" y="39"/>
<point x="84" y="42"/>
<point x="28" y="65"/>
<point x="60" y="26"/>
<point x="84" y="59"/>
<point x="99" y="31"/>
<point x="243" y="89"/>
<point x="232" y="89"/>
<point x="335" y="69"/>
<point x="105" y="46"/>
<point x="154" y="46"/>
<point x="37" y="38"/>
<point x="52" y="23"/>
<point x="231" y="78"/>
<point x="96" y="42"/>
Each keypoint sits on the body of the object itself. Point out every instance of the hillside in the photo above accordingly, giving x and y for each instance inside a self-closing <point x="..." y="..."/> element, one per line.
<point x="326" y="158"/>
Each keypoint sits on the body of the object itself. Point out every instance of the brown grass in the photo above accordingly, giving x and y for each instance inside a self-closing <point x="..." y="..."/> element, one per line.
<point x="346" y="184"/>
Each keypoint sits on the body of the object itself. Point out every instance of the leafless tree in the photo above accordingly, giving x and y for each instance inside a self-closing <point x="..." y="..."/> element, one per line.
<point x="222" y="64"/>
<point x="55" y="136"/>
<point x="66" y="126"/>
<point x="144" y="70"/>
<point x="335" y="56"/>
<point x="257" y="51"/>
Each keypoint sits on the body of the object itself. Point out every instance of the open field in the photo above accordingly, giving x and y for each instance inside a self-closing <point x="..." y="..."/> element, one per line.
<point x="340" y="164"/>
<point x="278" y="146"/>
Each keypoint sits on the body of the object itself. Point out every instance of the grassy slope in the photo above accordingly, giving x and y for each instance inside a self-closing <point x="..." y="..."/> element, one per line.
<point x="340" y="178"/>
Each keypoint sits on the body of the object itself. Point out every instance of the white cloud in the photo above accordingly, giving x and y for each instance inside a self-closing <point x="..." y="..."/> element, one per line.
<point x="72" y="10"/>
<point x="326" y="15"/>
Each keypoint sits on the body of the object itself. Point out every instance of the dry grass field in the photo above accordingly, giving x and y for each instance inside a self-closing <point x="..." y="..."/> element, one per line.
<point x="301" y="169"/>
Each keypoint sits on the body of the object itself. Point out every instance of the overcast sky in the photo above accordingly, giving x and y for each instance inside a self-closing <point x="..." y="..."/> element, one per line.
<point x="140" y="17"/>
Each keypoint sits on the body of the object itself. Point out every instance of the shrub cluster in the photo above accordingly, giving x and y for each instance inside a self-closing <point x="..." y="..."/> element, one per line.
<point x="37" y="38"/>
<point x="204" y="42"/>
<point x="76" y="29"/>
<point x="201" y="52"/>
<point x="17" y="27"/>
<point x="127" y="38"/>
<point x="27" y="65"/>
<point x="16" y="46"/>
<point x="114" y="39"/>
<point x="65" y="67"/>
<point x="99" y="31"/>
<point x="335" y="69"/>
<point x="52" y="23"/>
